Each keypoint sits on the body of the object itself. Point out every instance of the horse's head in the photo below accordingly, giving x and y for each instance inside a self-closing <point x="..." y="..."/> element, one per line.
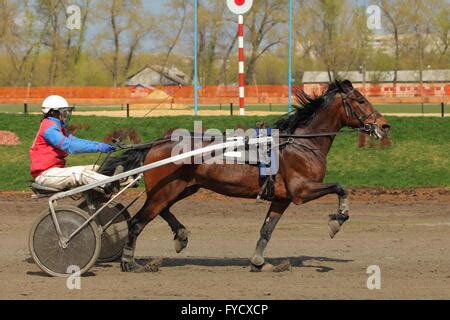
<point x="358" y="112"/>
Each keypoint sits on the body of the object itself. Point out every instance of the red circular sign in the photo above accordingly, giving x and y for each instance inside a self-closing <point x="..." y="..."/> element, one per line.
<point x="239" y="6"/>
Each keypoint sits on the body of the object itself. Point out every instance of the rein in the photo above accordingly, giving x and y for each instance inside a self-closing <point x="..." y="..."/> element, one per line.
<point x="291" y="137"/>
<point x="324" y="134"/>
<point x="147" y="145"/>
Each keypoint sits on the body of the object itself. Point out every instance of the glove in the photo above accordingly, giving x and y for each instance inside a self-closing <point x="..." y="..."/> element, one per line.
<point x="105" y="148"/>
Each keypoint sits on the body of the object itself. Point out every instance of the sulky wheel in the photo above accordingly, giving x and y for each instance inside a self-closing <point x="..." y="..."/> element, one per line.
<point x="82" y="250"/>
<point x="115" y="236"/>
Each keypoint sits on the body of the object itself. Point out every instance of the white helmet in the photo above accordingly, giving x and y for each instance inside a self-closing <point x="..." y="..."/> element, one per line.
<point x="55" y="103"/>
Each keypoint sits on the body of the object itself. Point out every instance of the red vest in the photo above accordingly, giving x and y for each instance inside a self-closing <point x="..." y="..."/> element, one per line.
<point x="43" y="155"/>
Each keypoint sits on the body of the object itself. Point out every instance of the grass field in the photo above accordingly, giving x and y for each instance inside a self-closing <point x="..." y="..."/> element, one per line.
<point x="383" y="108"/>
<point x="418" y="157"/>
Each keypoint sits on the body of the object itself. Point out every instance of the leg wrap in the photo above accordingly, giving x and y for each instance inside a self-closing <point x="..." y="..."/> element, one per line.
<point x="128" y="254"/>
<point x="265" y="235"/>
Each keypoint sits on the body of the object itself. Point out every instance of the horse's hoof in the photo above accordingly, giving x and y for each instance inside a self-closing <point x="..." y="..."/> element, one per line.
<point x="181" y="240"/>
<point x="133" y="266"/>
<point x="257" y="260"/>
<point x="179" y="245"/>
<point x="333" y="228"/>
<point x="128" y="266"/>
<point x="335" y="222"/>
<point x="265" y="267"/>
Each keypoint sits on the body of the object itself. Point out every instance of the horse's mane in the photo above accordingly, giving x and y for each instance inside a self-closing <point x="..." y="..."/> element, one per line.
<point x="305" y="108"/>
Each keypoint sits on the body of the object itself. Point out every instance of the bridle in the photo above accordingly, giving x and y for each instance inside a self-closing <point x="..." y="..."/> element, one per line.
<point x="362" y="118"/>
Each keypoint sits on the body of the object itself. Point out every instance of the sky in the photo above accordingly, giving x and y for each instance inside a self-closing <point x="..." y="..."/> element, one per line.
<point x="155" y="5"/>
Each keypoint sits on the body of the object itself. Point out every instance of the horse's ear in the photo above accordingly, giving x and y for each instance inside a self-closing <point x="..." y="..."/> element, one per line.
<point x="339" y="85"/>
<point x="347" y="83"/>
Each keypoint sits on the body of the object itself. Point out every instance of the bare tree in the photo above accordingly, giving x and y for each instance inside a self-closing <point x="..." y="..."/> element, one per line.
<point x="333" y="35"/>
<point x="21" y="36"/>
<point x="128" y="24"/>
<point x="261" y="23"/>
<point x="226" y="58"/>
<point x="86" y="8"/>
<point x="395" y="15"/>
<point x="112" y="12"/>
<point x="9" y="37"/>
<point x="441" y="26"/>
<point x="54" y="10"/>
<point x="140" y="27"/>
<point x="176" y="20"/>
<point x="418" y="19"/>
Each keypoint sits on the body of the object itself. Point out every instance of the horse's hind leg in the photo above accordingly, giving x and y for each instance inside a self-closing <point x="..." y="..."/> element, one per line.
<point x="274" y="214"/>
<point x="136" y="225"/>
<point x="179" y="230"/>
<point x="157" y="201"/>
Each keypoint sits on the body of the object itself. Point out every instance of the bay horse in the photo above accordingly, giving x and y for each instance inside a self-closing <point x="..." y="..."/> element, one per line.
<point x="302" y="168"/>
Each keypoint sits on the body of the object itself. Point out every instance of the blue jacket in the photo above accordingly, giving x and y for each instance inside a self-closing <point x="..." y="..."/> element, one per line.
<point x="68" y="143"/>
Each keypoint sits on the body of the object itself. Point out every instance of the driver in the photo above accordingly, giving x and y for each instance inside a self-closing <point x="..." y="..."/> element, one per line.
<point x="52" y="144"/>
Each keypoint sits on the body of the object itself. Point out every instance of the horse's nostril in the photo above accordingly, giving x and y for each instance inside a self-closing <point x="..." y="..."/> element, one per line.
<point x="385" y="127"/>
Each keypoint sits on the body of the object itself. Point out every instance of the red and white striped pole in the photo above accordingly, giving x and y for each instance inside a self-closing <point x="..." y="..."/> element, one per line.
<point x="240" y="7"/>
<point x="241" y="65"/>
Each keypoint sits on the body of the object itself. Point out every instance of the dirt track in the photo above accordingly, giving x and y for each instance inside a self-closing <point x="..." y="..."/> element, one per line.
<point x="406" y="234"/>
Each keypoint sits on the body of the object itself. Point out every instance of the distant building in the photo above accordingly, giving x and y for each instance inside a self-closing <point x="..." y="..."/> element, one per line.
<point x="380" y="83"/>
<point x="155" y="75"/>
<point x="404" y="76"/>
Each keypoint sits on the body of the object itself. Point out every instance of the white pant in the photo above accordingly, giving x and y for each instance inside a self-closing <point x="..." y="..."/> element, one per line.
<point x="71" y="177"/>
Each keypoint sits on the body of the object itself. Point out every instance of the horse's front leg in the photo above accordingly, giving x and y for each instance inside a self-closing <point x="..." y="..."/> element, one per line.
<point x="312" y="191"/>
<point x="273" y="216"/>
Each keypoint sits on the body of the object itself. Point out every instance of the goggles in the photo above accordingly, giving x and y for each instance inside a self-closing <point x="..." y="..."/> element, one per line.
<point x="66" y="114"/>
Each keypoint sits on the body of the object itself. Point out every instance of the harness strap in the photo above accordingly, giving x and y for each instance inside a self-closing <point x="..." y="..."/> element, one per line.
<point x="146" y="145"/>
<point x="321" y="134"/>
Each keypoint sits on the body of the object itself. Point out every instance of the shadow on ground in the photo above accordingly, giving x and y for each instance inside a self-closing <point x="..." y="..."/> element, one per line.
<point x="302" y="261"/>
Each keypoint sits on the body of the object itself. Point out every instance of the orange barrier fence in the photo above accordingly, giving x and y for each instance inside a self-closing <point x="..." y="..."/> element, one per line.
<point x="263" y="94"/>
<point x="73" y="94"/>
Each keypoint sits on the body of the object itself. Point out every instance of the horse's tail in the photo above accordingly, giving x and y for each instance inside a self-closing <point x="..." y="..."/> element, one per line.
<point x="130" y="159"/>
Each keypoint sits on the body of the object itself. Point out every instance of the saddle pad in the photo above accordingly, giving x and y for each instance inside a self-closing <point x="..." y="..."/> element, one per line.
<point x="267" y="160"/>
